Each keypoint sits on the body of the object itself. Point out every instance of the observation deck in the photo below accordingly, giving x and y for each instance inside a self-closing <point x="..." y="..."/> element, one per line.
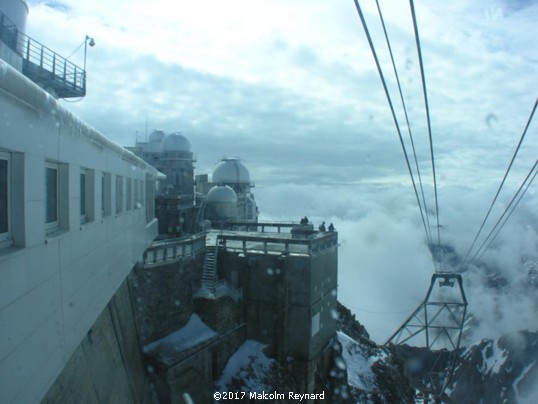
<point x="42" y="65"/>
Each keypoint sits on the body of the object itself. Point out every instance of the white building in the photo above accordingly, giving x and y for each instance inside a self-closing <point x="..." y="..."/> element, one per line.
<point x="76" y="213"/>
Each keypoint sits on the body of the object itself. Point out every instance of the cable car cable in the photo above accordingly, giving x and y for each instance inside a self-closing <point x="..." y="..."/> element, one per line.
<point x="429" y="236"/>
<point x="425" y="92"/>
<point x="502" y="182"/>
<point x="474" y="258"/>
<point x="382" y="77"/>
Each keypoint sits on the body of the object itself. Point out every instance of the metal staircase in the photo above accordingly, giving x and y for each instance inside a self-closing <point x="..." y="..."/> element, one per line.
<point x="209" y="273"/>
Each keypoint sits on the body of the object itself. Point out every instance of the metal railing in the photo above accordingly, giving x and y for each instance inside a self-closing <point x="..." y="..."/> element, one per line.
<point x="162" y="253"/>
<point x="259" y="226"/>
<point x="246" y="243"/>
<point x="43" y="65"/>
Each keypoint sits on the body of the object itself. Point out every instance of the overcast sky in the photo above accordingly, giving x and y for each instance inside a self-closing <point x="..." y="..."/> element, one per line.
<point x="291" y="88"/>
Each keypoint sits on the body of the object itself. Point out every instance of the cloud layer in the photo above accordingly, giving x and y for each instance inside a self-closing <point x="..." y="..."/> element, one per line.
<point x="385" y="265"/>
<point x="291" y="88"/>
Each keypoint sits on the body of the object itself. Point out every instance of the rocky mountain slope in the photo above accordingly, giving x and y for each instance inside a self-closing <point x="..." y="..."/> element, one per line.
<point x="491" y="371"/>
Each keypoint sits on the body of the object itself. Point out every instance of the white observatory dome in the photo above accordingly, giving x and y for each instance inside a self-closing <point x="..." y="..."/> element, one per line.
<point x="221" y="194"/>
<point x="221" y="203"/>
<point x="231" y="171"/>
<point x="156" y="136"/>
<point x="176" y="142"/>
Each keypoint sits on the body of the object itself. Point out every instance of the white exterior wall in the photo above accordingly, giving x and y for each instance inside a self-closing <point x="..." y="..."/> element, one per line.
<point x="53" y="286"/>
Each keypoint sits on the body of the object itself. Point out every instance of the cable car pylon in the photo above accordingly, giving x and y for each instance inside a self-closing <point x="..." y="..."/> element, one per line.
<point x="437" y="324"/>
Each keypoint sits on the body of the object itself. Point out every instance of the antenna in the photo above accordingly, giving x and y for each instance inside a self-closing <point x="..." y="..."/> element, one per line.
<point x="146" y="127"/>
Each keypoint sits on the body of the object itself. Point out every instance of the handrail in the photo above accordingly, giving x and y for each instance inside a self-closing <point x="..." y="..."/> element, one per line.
<point x="308" y="246"/>
<point x="168" y="252"/>
<point x="41" y="62"/>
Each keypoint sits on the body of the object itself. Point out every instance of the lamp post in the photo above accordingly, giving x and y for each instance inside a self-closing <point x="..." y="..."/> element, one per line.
<point x="88" y="41"/>
<point x="91" y="42"/>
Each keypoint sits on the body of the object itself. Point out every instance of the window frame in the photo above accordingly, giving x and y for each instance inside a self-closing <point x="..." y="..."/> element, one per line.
<point x="53" y="225"/>
<point x="6" y="238"/>
<point x="84" y="217"/>
<point x="135" y="193"/>
<point x="119" y="195"/>
<point x="128" y="194"/>
<point x="106" y="194"/>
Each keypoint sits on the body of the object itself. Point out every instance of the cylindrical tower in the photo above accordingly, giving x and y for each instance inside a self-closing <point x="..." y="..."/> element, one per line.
<point x="16" y="11"/>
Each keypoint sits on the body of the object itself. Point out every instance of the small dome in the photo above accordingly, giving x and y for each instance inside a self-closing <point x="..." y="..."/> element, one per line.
<point x="176" y="142"/>
<point x="221" y="194"/>
<point x="156" y="136"/>
<point x="231" y="171"/>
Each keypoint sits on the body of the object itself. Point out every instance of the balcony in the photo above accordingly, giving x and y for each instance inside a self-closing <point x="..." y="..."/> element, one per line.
<point x="42" y="65"/>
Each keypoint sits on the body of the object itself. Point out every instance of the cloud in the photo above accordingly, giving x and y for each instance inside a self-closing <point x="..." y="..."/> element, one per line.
<point x="385" y="265"/>
<point x="292" y="89"/>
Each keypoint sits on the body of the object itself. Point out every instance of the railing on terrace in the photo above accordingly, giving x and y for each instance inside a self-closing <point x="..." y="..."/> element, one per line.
<point x="41" y="64"/>
<point x="167" y="252"/>
<point x="246" y="243"/>
<point x="259" y="226"/>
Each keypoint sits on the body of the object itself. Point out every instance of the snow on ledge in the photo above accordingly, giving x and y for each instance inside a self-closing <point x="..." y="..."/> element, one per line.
<point x="191" y="334"/>
<point x="250" y="364"/>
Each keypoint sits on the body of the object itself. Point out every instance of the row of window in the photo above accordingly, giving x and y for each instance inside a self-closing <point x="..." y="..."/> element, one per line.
<point x="129" y="194"/>
<point x="87" y="194"/>
<point x="4" y="199"/>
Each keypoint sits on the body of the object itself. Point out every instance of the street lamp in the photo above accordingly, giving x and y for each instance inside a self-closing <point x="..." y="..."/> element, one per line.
<point x="87" y="41"/>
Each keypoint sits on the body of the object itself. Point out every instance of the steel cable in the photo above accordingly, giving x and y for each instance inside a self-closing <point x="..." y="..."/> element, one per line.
<point x="382" y="77"/>
<point x="502" y="182"/>
<point x="475" y="258"/>
<point x="425" y="92"/>
<point x="429" y="236"/>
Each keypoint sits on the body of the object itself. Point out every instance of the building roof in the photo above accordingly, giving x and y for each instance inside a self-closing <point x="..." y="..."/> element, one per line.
<point x="221" y="194"/>
<point x="176" y="142"/>
<point x="231" y="171"/>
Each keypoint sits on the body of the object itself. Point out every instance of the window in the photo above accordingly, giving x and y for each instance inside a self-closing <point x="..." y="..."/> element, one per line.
<point x="106" y="191"/>
<point x="4" y="197"/>
<point x="129" y="199"/>
<point x="150" y="198"/>
<point x="136" y="196"/>
<point x="51" y="195"/>
<point x="119" y="194"/>
<point x="83" y="185"/>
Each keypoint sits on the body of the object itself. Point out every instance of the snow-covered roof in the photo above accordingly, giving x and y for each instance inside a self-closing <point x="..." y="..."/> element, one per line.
<point x="250" y="364"/>
<point x="191" y="334"/>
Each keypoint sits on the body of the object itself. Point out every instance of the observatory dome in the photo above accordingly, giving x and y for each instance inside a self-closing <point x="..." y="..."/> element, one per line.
<point x="221" y="194"/>
<point x="231" y="171"/>
<point x="221" y="203"/>
<point x="176" y="142"/>
<point x="156" y="136"/>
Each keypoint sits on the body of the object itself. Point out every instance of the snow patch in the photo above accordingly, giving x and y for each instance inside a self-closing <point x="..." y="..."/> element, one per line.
<point x="493" y="358"/>
<point x="359" y="365"/>
<point x="249" y="364"/>
<point x="519" y="378"/>
<point x="191" y="334"/>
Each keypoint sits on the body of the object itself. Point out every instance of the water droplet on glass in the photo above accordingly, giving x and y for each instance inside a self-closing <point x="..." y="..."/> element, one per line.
<point x="340" y="363"/>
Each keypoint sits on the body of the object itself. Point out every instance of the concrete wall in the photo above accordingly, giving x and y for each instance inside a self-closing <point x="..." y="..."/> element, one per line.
<point x="290" y="301"/>
<point x="54" y="285"/>
<point x="107" y="366"/>
<point x="163" y="301"/>
<point x="162" y="297"/>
